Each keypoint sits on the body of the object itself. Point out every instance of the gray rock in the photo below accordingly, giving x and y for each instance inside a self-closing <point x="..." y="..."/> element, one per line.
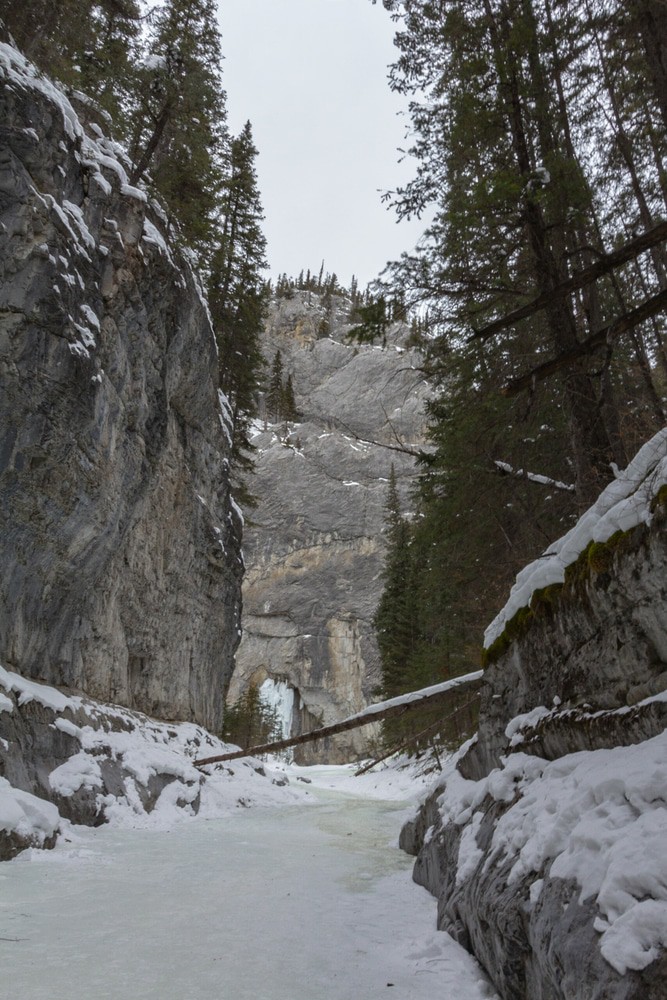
<point x="314" y="549"/>
<point x="36" y="740"/>
<point x="605" y="649"/>
<point x="599" y="651"/>
<point x="119" y="546"/>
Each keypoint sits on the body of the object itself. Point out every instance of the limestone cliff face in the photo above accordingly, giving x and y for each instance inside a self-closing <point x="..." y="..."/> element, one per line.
<point x="119" y="542"/>
<point x="587" y="675"/>
<point x="315" y="550"/>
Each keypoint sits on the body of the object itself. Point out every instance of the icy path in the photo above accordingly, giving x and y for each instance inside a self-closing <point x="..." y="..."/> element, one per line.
<point x="301" y="903"/>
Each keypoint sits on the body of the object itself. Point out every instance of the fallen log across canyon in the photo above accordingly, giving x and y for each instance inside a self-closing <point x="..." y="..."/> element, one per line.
<point x="374" y="713"/>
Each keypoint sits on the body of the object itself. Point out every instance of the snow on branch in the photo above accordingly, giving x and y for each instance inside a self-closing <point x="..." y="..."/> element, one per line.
<point x="505" y="469"/>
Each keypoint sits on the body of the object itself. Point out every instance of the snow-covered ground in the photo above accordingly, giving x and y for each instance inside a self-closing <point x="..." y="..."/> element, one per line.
<point x="596" y="816"/>
<point x="287" y="903"/>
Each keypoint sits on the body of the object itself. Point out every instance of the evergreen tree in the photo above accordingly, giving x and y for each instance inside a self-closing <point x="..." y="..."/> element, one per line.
<point x="250" y="721"/>
<point x="179" y="131"/>
<point x="238" y="295"/>
<point x="395" y="618"/>
<point x="509" y="97"/>
<point x="274" y="393"/>
<point x="288" y="407"/>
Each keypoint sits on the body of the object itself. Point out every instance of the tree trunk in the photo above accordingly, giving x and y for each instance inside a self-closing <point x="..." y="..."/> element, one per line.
<point x="374" y="713"/>
<point x="651" y="19"/>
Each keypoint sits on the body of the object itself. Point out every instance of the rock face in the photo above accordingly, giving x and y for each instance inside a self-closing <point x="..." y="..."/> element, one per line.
<point x="119" y="542"/>
<point x="315" y="551"/>
<point x="536" y="841"/>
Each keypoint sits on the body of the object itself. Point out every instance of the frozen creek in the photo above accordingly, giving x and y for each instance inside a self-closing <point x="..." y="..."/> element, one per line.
<point x="310" y="902"/>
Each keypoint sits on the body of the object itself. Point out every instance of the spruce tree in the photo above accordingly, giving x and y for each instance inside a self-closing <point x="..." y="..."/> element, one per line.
<point x="289" y="409"/>
<point x="274" y="392"/>
<point x="238" y="294"/>
<point x="179" y="133"/>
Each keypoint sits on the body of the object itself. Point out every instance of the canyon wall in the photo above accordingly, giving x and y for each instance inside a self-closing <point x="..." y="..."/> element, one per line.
<point x="119" y="540"/>
<point x="314" y="547"/>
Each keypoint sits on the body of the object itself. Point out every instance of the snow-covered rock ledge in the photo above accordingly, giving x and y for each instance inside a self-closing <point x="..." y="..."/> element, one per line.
<point x="544" y="841"/>
<point x="67" y="759"/>
<point x="554" y="874"/>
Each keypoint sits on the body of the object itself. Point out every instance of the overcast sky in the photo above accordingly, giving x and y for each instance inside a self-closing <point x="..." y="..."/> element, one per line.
<point x="311" y="75"/>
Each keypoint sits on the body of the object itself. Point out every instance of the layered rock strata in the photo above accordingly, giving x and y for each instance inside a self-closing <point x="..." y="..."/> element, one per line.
<point x="119" y="541"/>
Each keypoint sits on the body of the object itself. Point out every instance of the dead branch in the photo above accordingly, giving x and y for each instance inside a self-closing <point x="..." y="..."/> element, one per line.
<point x="505" y="469"/>
<point x="645" y="311"/>
<point x="606" y="263"/>
<point x="404" y="744"/>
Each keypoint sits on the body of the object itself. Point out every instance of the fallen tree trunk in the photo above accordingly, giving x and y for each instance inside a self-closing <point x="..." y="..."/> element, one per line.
<point x="657" y="303"/>
<point x="374" y="713"/>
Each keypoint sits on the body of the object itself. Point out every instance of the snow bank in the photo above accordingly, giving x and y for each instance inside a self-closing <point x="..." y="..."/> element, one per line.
<point x="598" y="817"/>
<point x="26" y="816"/>
<point x="139" y="772"/>
<point x="623" y="505"/>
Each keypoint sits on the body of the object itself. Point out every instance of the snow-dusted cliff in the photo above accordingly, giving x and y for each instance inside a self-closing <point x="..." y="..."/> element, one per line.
<point x="119" y="542"/>
<point x="314" y="549"/>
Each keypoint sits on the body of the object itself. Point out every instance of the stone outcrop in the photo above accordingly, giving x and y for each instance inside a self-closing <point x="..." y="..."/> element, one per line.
<point x="543" y="815"/>
<point x="69" y="759"/>
<point x="314" y="549"/>
<point x="119" y="541"/>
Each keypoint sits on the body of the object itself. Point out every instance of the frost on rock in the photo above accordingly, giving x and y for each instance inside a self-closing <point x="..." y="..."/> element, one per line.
<point x="623" y="505"/>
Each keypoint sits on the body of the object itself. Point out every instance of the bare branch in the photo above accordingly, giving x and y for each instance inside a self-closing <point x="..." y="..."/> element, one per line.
<point x="607" y="334"/>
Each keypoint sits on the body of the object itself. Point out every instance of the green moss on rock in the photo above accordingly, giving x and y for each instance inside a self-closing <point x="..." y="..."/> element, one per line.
<point x="597" y="558"/>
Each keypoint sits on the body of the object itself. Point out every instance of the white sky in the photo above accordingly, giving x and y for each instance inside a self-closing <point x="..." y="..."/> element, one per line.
<point x="311" y="75"/>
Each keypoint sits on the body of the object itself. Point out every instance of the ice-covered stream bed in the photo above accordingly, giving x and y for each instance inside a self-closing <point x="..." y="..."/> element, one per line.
<point x="309" y="902"/>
